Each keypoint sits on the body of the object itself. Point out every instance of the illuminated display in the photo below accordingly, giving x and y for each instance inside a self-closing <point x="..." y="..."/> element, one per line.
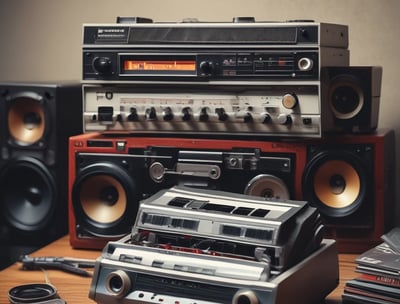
<point x="160" y="65"/>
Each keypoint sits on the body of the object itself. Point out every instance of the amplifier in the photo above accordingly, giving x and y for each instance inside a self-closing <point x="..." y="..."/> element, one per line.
<point x="345" y="100"/>
<point x="138" y="49"/>
<point x="246" y="109"/>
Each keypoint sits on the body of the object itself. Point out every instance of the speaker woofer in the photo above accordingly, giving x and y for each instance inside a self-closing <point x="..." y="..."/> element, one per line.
<point x="26" y="120"/>
<point x="28" y="196"/>
<point x="105" y="200"/>
<point x="336" y="183"/>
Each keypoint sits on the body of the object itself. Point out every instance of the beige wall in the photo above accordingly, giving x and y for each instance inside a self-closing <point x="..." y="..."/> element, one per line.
<point x="40" y="40"/>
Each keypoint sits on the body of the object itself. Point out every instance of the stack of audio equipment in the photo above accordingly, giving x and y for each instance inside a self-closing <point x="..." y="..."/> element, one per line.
<point x="270" y="109"/>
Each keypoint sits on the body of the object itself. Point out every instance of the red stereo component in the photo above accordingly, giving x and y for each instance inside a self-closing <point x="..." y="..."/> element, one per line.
<point x="109" y="175"/>
<point x="349" y="178"/>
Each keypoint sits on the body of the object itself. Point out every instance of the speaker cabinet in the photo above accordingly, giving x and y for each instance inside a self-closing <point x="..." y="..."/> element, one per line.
<point x="350" y="97"/>
<point x="36" y="122"/>
<point x="351" y="180"/>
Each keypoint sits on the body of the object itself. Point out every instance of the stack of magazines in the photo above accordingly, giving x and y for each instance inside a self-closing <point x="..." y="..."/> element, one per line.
<point x="379" y="276"/>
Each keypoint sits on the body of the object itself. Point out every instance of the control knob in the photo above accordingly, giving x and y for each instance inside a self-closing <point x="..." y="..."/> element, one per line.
<point x="206" y="67"/>
<point x="102" y="65"/>
<point x="266" y="118"/>
<point x="247" y="118"/>
<point x="204" y="114"/>
<point x="150" y="113"/>
<point x="305" y="64"/>
<point x="167" y="114"/>
<point x="222" y="116"/>
<point x="133" y="116"/>
<point x="284" y="119"/>
<point x="186" y="114"/>
<point x="290" y="101"/>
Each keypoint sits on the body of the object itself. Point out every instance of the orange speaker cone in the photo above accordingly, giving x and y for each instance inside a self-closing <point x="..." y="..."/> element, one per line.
<point x="103" y="199"/>
<point x="26" y="121"/>
<point x="337" y="184"/>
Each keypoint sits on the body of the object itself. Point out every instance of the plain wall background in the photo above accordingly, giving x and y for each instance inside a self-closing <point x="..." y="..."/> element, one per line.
<point x="40" y="40"/>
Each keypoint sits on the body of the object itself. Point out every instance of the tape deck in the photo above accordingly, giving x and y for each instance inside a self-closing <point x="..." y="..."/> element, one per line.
<point x="278" y="270"/>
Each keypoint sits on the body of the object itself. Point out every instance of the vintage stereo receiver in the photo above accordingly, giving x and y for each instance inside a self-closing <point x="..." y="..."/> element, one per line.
<point x="149" y="271"/>
<point x="109" y="175"/>
<point x="135" y="51"/>
<point x="346" y="100"/>
<point x="275" y="110"/>
<point x="281" y="232"/>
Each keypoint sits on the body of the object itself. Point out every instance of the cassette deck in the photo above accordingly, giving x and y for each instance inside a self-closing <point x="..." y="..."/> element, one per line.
<point x="132" y="270"/>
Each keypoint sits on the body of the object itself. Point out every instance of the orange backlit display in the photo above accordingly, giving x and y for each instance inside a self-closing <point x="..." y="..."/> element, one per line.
<point x="159" y="65"/>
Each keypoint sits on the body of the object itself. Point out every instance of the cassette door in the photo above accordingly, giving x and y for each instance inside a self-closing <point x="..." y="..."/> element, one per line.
<point x="350" y="179"/>
<point x="108" y="176"/>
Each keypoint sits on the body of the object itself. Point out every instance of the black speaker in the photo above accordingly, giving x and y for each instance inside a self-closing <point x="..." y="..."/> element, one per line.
<point x="350" y="179"/>
<point x="350" y="97"/>
<point x="36" y="122"/>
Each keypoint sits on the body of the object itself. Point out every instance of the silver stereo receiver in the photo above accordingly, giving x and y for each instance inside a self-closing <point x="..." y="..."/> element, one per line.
<point x="346" y="100"/>
<point x="246" y="109"/>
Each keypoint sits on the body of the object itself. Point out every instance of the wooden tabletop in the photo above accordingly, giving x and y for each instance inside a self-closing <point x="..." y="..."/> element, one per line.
<point x="75" y="289"/>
